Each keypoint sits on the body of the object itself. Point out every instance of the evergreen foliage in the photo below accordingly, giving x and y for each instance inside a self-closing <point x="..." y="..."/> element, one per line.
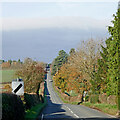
<point x="109" y="64"/>
<point x="113" y="74"/>
<point x="72" y="51"/>
<point x="59" y="61"/>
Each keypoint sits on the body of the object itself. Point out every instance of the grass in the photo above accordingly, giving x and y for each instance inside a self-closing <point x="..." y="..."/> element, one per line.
<point x="35" y="111"/>
<point x="8" y="75"/>
<point x="106" y="108"/>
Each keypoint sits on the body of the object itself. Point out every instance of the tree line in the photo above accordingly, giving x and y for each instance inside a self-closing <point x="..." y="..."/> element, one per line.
<point x="94" y="67"/>
<point x="11" y="61"/>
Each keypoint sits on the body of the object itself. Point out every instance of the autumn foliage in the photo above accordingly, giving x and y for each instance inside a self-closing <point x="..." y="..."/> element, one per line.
<point x="33" y="74"/>
<point x="78" y="72"/>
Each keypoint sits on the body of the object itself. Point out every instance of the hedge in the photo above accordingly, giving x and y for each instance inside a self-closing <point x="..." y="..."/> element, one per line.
<point x="12" y="107"/>
<point x="35" y="110"/>
<point x="31" y="100"/>
<point x="33" y="113"/>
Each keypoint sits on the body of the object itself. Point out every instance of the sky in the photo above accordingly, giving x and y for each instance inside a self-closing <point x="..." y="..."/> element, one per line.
<point x="40" y="29"/>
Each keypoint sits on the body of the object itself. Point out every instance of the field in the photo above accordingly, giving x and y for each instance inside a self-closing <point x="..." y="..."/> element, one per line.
<point x="8" y="75"/>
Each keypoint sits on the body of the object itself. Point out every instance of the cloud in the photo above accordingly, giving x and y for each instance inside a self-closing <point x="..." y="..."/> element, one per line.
<point x="43" y="44"/>
<point x="53" y="22"/>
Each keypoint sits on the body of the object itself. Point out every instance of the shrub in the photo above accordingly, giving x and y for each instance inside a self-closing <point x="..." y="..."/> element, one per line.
<point x="31" y="100"/>
<point x="12" y="107"/>
<point x="94" y="98"/>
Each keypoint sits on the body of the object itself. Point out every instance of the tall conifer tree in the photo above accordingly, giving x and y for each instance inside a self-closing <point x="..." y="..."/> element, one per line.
<point x="114" y="57"/>
<point x="109" y="64"/>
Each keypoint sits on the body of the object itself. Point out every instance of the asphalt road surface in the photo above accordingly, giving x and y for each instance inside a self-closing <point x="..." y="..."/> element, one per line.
<point x="57" y="110"/>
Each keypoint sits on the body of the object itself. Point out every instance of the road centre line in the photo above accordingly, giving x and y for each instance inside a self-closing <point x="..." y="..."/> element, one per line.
<point x="68" y="108"/>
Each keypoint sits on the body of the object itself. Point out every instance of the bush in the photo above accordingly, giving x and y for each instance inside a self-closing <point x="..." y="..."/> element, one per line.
<point x="31" y="100"/>
<point x="94" y="98"/>
<point x="12" y="107"/>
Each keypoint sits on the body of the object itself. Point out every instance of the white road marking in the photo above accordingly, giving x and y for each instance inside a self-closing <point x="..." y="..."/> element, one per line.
<point x="42" y="117"/>
<point x="72" y="112"/>
<point x="54" y="94"/>
<point x="69" y="109"/>
<point x="76" y="116"/>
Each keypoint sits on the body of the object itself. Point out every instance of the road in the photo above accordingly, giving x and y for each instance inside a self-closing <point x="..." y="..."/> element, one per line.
<point x="56" y="109"/>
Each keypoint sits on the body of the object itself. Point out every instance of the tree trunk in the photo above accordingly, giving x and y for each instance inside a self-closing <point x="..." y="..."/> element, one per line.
<point x="38" y="91"/>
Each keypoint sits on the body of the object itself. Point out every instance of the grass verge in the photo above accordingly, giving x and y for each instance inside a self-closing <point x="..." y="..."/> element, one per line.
<point x="33" y="113"/>
<point x="65" y="101"/>
<point x="106" y="108"/>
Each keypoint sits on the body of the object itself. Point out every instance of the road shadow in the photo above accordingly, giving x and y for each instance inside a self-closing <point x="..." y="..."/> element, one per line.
<point x="52" y="110"/>
<point x="80" y="119"/>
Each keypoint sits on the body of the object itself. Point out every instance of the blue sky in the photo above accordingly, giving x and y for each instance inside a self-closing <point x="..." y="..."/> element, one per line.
<point x="40" y="29"/>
